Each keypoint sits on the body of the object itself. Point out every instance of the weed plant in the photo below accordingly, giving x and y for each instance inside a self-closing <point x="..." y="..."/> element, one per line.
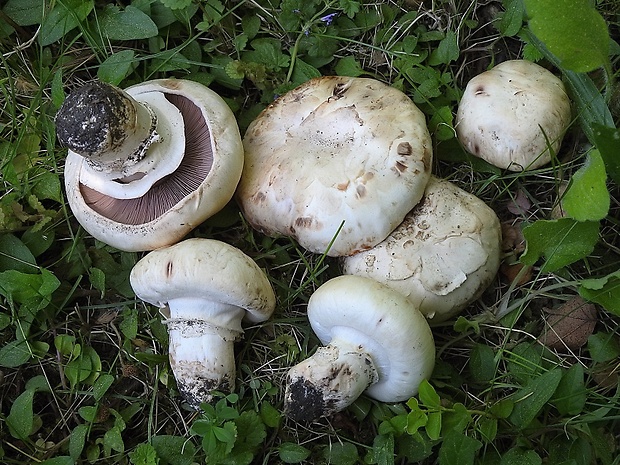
<point x="84" y="373"/>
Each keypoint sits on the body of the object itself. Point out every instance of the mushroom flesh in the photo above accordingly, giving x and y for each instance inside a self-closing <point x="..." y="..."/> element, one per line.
<point x="514" y="115"/>
<point x="209" y="287"/>
<point x="377" y="342"/>
<point x="148" y="164"/>
<point x="335" y="164"/>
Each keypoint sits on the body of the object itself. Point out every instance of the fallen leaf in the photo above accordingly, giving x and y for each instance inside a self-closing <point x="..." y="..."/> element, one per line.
<point x="569" y="325"/>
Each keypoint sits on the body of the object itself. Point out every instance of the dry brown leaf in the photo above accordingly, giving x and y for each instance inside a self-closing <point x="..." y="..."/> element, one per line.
<point x="569" y="325"/>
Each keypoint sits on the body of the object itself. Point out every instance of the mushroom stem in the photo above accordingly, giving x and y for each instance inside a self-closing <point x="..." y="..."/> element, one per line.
<point x="329" y="381"/>
<point x="202" y="335"/>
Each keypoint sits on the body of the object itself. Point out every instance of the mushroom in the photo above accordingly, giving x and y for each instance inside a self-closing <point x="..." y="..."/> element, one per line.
<point x="514" y="116"/>
<point x="443" y="255"/>
<point x="377" y="342"/>
<point x="336" y="159"/>
<point x="208" y="287"/>
<point x="147" y="165"/>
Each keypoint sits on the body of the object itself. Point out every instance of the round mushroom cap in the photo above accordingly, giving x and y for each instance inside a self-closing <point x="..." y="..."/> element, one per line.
<point x="511" y="115"/>
<point x="201" y="185"/>
<point x="335" y="152"/>
<point x="204" y="269"/>
<point x="442" y="256"/>
<point x="392" y="331"/>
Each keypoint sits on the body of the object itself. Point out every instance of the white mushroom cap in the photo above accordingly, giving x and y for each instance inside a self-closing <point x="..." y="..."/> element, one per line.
<point x="134" y="207"/>
<point x="510" y="114"/>
<point x="209" y="287"/>
<point x="442" y="256"/>
<point x="377" y="342"/>
<point x="334" y="150"/>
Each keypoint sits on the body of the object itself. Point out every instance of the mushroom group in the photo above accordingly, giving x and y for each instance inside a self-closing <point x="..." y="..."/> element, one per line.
<point x="148" y="164"/>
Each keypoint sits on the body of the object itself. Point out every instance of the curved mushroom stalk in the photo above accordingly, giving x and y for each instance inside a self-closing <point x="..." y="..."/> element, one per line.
<point x="377" y="342"/>
<point x="210" y="287"/>
<point x="201" y="351"/>
<point x="329" y="381"/>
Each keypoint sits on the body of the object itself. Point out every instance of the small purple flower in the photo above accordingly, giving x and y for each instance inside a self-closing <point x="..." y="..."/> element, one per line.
<point x="327" y="19"/>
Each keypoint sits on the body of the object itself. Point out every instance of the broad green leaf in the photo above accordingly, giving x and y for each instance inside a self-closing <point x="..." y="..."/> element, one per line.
<point x="428" y="396"/>
<point x="20" y="419"/>
<point x="447" y="50"/>
<point x="433" y="425"/>
<point x="383" y="449"/>
<point x="517" y="456"/>
<point x="38" y="241"/>
<point x="78" y="370"/>
<point x="488" y="429"/>
<point x="458" y="449"/>
<point x="113" y="439"/>
<point x="603" y="347"/>
<point x="64" y="17"/>
<point x="15" y="353"/>
<point x="47" y="187"/>
<point x="269" y="414"/>
<point x="530" y="399"/>
<point x="32" y="289"/>
<point x="482" y="363"/>
<point x="572" y="30"/>
<point x="561" y="242"/>
<point x="25" y="12"/>
<point x="455" y="420"/>
<point x="127" y="24"/>
<point x="571" y="395"/>
<point x="77" y="440"/>
<point x="60" y="460"/>
<point x="15" y="255"/>
<point x="604" y="291"/>
<point x="175" y="450"/>
<point x="587" y="197"/>
<point x="589" y="103"/>
<point x="303" y="72"/>
<point x="176" y="4"/>
<point x="512" y="19"/>
<point x="101" y="386"/>
<point x="292" y="453"/>
<point x="116" y="67"/>
<point x="349" y="66"/>
<point x="607" y="141"/>
<point x="337" y="453"/>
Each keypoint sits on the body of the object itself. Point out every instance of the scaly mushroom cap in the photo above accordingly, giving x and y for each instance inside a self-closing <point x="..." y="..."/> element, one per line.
<point x="135" y="207"/>
<point x="334" y="150"/>
<point x="510" y="115"/>
<point x="369" y="328"/>
<point x="442" y="256"/>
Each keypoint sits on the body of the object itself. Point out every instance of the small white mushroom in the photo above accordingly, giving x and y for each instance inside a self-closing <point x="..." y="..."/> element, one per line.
<point x="512" y="114"/>
<point x="335" y="151"/>
<point x="209" y="288"/>
<point x="147" y="165"/>
<point x="442" y="256"/>
<point x="377" y="342"/>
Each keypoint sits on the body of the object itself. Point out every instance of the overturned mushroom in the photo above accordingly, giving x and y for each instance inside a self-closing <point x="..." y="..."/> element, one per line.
<point x="147" y="165"/>
<point x="514" y="115"/>
<point x="442" y="256"/>
<point x="337" y="156"/>
<point x="209" y="287"/>
<point x="377" y="342"/>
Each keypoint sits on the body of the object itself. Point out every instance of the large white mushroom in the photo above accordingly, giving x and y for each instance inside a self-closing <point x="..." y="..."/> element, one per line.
<point x="335" y="152"/>
<point x="209" y="287"/>
<point x="443" y="255"/>
<point x="514" y="115"/>
<point x="147" y="165"/>
<point x="377" y="342"/>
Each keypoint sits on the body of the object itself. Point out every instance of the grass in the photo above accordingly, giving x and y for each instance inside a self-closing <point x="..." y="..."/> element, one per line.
<point x="83" y="364"/>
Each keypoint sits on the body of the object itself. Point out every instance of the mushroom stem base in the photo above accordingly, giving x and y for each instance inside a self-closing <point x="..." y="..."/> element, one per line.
<point x="328" y="382"/>
<point x="202" y="363"/>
